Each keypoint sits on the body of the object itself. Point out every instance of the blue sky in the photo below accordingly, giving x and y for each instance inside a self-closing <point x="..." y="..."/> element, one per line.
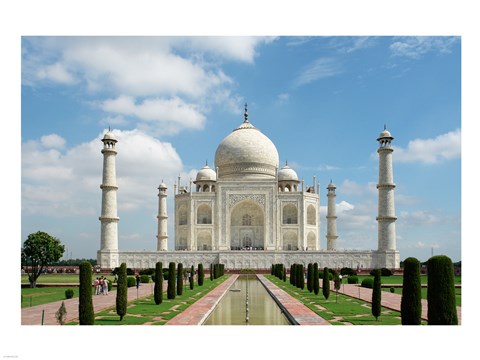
<point x="171" y="100"/>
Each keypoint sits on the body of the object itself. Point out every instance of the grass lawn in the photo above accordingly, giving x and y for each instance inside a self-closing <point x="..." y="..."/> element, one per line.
<point x="458" y="294"/>
<point x="61" y="278"/>
<point x="146" y="312"/>
<point x="339" y="310"/>
<point x="44" y="295"/>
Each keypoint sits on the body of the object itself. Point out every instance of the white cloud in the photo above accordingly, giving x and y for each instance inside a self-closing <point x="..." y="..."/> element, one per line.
<point x="431" y="151"/>
<point x="349" y="187"/>
<point x="166" y="115"/>
<point x="62" y="184"/>
<point x="318" y="69"/>
<point x="52" y="141"/>
<point x="416" y="47"/>
<point x="56" y="73"/>
<point x="418" y="218"/>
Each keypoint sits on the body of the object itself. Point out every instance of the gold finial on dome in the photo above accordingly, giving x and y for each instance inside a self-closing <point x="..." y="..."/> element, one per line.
<point x="245" y="114"/>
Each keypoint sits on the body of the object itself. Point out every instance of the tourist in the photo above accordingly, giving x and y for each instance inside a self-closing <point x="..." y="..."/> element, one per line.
<point x="138" y="280"/>
<point x="105" y="286"/>
<point x="95" y="285"/>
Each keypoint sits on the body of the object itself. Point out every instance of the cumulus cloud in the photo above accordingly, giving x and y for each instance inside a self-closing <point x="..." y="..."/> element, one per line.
<point x="52" y="141"/>
<point x="417" y="46"/>
<point x="172" y="114"/>
<point x="60" y="183"/>
<point x="431" y="151"/>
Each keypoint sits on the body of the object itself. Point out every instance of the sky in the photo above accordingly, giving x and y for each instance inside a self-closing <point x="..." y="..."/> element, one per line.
<point x="322" y="100"/>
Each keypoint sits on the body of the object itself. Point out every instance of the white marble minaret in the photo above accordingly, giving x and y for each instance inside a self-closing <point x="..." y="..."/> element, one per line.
<point x="386" y="204"/>
<point x="162" y="237"/>
<point x="108" y="217"/>
<point x="331" y="218"/>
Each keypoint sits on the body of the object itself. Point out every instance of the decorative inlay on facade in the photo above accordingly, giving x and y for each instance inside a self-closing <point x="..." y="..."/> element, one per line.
<point x="236" y="198"/>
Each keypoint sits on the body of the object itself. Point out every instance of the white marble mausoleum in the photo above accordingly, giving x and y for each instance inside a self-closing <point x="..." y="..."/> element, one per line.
<point x="248" y="212"/>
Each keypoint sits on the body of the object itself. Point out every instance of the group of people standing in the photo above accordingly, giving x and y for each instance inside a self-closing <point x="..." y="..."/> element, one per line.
<point x="101" y="286"/>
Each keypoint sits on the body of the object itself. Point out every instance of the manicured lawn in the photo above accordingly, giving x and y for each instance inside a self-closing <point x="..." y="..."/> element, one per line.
<point x="339" y="311"/>
<point x="44" y="295"/>
<point x="458" y="294"/>
<point x="146" y="312"/>
<point x="60" y="278"/>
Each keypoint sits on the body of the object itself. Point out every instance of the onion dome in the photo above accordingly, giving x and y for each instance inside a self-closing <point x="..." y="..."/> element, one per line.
<point x="206" y="174"/>
<point x="286" y="173"/>
<point x="246" y="153"/>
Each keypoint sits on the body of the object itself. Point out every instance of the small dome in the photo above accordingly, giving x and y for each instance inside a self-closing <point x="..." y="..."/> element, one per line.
<point x="206" y="174"/>
<point x="331" y="185"/>
<point x="162" y="185"/>
<point x="385" y="134"/>
<point x="286" y="173"/>
<point x="109" y="136"/>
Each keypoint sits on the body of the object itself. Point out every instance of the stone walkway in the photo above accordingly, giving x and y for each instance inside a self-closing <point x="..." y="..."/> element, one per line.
<point x="33" y="315"/>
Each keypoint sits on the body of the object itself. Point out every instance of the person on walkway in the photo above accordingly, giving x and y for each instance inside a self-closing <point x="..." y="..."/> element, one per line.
<point x="138" y="280"/>
<point x="105" y="286"/>
<point x="95" y="286"/>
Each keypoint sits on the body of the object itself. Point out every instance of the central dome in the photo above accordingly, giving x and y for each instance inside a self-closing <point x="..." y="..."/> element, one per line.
<point x="246" y="154"/>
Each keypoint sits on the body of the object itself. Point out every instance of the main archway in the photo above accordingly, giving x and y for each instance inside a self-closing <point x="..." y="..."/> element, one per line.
<point x="247" y="226"/>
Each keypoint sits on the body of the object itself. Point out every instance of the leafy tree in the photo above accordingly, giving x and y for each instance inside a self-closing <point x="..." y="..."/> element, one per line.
<point x="201" y="275"/>
<point x="411" y="303"/>
<point x="158" y="289"/>
<point x="377" y="294"/>
<point x="122" y="292"/>
<point x="180" y="279"/>
<point x="326" y="283"/>
<point x="442" y="308"/>
<point x="171" y="292"/>
<point x="39" y="251"/>
<point x="316" y="284"/>
<point x="61" y="314"/>
<point x="85" y="303"/>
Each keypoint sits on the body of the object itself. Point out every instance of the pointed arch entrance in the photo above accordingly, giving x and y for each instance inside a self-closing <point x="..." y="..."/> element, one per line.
<point x="247" y="226"/>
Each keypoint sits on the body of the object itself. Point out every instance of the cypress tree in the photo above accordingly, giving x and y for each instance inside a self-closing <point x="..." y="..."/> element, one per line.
<point x="326" y="283"/>
<point x="85" y="305"/>
<point x="192" y="273"/>
<point x="300" y="277"/>
<point x="316" y="285"/>
<point x="171" y="292"/>
<point x="158" y="289"/>
<point x="200" y="275"/>
<point x="310" y="277"/>
<point x="284" y="274"/>
<point x="211" y="272"/>
<point x="442" y="308"/>
<point x="377" y="294"/>
<point x="272" y="271"/>
<point x="292" y="274"/>
<point x="180" y="279"/>
<point x="122" y="291"/>
<point x="411" y="303"/>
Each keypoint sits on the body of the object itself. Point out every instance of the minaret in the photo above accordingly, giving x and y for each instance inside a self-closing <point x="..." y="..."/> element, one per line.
<point x="386" y="205"/>
<point x="162" y="237"/>
<point x="331" y="218"/>
<point x="108" y="217"/>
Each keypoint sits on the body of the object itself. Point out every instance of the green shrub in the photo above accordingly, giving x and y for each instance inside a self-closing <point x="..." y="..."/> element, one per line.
<point x="85" y="305"/>
<point x="149" y="271"/>
<point x="326" y="283"/>
<point x="441" y="291"/>
<point x="144" y="279"/>
<point x="367" y="283"/>
<point x="158" y="289"/>
<point x="122" y="291"/>
<point x="69" y="293"/>
<point x="347" y="271"/>
<point x="171" y="292"/>
<point x="131" y="281"/>
<point x="411" y="302"/>
<point x="377" y="294"/>
<point x="165" y="274"/>
<point x="316" y="282"/>
<point x="180" y="279"/>
<point x="201" y="275"/>
<point x="310" y="277"/>
<point x="353" y="279"/>
<point x="392" y="290"/>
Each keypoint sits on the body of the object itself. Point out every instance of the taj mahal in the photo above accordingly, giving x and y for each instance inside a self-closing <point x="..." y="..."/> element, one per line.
<point x="248" y="212"/>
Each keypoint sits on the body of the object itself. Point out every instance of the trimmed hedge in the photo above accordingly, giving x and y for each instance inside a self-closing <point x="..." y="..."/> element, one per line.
<point x="122" y="291"/>
<point x="171" y="292"/>
<point x="353" y="279"/>
<point x="441" y="291"/>
<point x="158" y="289"/>
<point x="367" y="283"/>
<point x="411" y="303"/>
<point x="201" y="275"/>
<point x="69" y="293"/>
<point x="85" y="305"/>
<point x="131" y="281"/>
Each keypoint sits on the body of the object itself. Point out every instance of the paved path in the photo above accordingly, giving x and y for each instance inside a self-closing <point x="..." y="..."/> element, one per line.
<point x="33" y="315"/>
<point x="389" y="300"/>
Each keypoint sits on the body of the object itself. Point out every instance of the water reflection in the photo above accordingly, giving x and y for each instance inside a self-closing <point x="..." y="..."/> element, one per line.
<point x="262" y="309"/>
